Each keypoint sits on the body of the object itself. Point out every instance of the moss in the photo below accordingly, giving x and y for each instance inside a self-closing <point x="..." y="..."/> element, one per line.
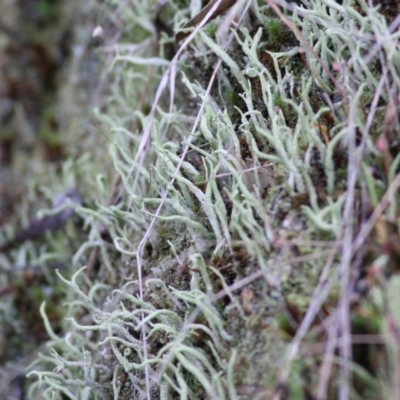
<point x="277" y="33"/>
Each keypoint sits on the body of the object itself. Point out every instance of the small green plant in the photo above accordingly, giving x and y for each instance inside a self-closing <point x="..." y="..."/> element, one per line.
<point x="277" y="33"/>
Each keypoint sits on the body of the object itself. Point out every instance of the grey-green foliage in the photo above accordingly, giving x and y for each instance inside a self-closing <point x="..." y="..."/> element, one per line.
<point x="216" y="201"/>
<point x="76" y="375"/>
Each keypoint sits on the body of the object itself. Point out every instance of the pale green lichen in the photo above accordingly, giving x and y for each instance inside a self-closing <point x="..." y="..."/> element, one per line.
<point x="221" y="222"/>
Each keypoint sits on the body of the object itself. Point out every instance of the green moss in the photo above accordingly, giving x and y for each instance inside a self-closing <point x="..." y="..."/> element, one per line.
<point x="277" y="33"/>
<point x="211" y="29"/>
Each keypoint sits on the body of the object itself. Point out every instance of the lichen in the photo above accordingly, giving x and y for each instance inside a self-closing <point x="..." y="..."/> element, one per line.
<point x="240" y="218"/>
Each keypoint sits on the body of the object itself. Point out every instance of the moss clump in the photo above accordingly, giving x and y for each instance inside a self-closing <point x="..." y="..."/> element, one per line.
<point x="277" y="33"/>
